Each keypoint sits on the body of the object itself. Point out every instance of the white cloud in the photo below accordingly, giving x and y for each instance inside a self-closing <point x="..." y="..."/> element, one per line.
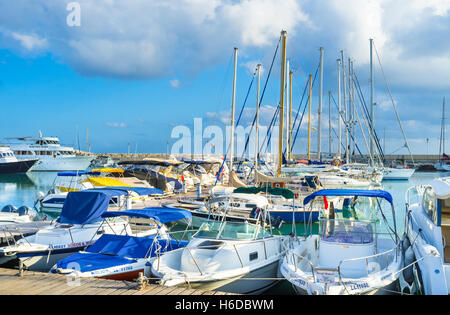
<point x="29" y="41"/>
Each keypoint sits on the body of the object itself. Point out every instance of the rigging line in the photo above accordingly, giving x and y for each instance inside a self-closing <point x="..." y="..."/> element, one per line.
<point x="362" y="131"/>
<point x="304" y="109"/>
<point x="347" y="127"/>
<point x="275" y="115"/>
<point x="300" y="105"/>
<point x="366" y="114"/>
<point x="262" y="95"/>
<point x="222" y="86"/>
<point x="395" y="107"/>
<point x="236" y="124"/>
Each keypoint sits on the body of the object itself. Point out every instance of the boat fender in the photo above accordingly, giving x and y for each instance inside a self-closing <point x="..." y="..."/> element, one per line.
<point x="147" y="269"/>
<point x="408" y="273"/>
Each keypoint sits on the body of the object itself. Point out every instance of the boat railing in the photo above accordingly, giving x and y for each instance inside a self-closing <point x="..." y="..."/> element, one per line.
<point x="297" y="259"/>
<point x="393" y="253"/>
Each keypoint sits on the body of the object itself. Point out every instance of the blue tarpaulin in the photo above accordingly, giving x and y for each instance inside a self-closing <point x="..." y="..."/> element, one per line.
<point x="163" y="215"/>
<point x="115" y="250"/>
<point x="349" y="192"/>
<point x="86" y="206"/>
<point x="77" y="173"/>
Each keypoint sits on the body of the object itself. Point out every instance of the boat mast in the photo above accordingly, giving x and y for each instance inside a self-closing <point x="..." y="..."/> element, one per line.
<point x="329" y="122"/>
<point x="340" y="111"/>
<point x="258" y="71"/>
<point x="353" y="109"/>
<point x="283" y="77"/>
<point x="319" y="133"/>
<point x="233" y="104"/>
<point x="291" y="74"/>
<point x="309" y="118"/>
<point x="286" y="106"/>
<point x="371" y="100"/>
<point x="345" y="107"/>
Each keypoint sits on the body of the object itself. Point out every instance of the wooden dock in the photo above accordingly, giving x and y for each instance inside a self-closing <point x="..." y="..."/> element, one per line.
<point x="38" y="283"/>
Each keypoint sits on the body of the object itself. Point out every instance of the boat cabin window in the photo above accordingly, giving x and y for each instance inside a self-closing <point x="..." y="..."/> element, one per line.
<point x="429" y="203"/>
<point x="346" y="231"/>
<point x="231" y="231"/>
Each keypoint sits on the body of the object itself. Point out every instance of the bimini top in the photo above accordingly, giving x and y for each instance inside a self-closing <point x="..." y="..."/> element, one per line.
<point x="349" y="192"/>
<point x="160" y="214"/>
<point x="77" y="173"/>
<point x="141" y="191"/>
<point x="87" y="206"/>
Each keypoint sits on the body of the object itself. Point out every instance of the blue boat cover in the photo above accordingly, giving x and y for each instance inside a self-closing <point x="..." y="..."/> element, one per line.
<point x="163" y="215"/>
<point x="142" y="191"/>
<point x="86" y="206"/>
<point x="115" y="250"/>
<point x="349" y="192"/>
<point x="77" y="173"/>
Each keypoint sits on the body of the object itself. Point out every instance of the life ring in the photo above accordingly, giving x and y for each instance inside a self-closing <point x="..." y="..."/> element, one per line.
<point x="336" y="162"/>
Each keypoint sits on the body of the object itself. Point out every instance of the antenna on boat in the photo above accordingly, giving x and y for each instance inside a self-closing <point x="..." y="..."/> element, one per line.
<point x="40" y="133"/>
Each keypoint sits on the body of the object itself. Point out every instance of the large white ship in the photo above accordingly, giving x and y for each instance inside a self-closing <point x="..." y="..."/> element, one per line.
<point x="52" y="156"/>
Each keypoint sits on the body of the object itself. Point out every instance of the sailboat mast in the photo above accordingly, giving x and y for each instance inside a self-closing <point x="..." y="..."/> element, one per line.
<point x="291" y="74"/>
<point x="233" y="105"/>
<point x="258" y="71"/>
<point x="283" y="78"/>
<point x="329" y="122"/>
<point x="309" y="117"/>
<point x="319" y="131"/>
<point x="345" y="107"/>
<point x="371" y="100"/>
<point x="339" y="108"/>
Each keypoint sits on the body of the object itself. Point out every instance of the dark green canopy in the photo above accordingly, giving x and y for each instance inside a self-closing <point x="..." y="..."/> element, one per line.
<point x="286" y="193"/>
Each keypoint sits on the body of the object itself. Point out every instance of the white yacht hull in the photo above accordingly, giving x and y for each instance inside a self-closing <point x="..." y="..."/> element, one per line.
<point x="62" y="163"/>
<point x="398" y="173"/>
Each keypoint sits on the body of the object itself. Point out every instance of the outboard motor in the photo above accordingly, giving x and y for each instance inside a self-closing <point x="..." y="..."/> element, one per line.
<point x="9" y="208"/>
<point x="25" y="210"/>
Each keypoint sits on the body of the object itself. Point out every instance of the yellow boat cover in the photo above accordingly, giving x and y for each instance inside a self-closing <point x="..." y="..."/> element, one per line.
<point x="107" y="182"/>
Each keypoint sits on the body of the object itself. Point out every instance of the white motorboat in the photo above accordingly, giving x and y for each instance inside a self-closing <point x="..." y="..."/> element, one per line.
<point x="10" y="164"/>
<point x="427" y="242"/>
<point x="79" y="225"/>
<point x="397" y="173"/>
<point x="225" y="256"/>
<point x="353" y="253"/>
<point x="52" y="156"/>
<point x="124" y="257"/>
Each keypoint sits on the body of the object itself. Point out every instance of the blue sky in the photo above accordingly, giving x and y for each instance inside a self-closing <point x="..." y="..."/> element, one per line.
<point x="135" y="69"/>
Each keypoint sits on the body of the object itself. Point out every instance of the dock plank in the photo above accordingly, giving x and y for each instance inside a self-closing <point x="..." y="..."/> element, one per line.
<point x="38" y="283"/>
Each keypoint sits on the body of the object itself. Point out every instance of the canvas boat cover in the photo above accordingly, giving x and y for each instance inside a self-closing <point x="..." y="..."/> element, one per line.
<point x="87" y="206"/>
<point x="160" y="214"/>
<point x="286" y="193"/>
<point x="114" y="250"/>
<point x="142" y="191"/>
<point x="77" y="173"/>
<point x="349" y="192"/>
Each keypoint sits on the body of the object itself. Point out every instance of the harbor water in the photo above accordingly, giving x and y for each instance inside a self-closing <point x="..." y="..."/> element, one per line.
<point x="23" y="190"/>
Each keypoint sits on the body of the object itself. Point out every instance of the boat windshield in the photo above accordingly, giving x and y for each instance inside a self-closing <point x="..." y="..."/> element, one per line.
<point x="346" y="231"/>
<point x="231" y="231"/>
